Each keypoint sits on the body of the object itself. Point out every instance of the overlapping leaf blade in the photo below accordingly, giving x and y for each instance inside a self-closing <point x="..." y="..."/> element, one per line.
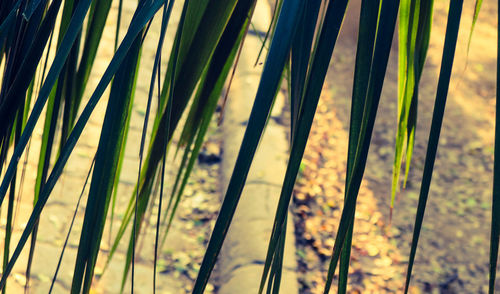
<point x="364" y="55"/>
<point x="270" y="79"/>
<point x="107" y="157"/>
<point x="385" y="30"/>
<point x="414" y="32"/>
<point x="314" y="83"/>
<point x="144" y="15"/>
<point x="454" y="14"/>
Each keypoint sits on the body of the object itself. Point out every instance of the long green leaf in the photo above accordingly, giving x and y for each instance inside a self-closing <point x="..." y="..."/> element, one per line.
<point x="10" y="207"/>
<point x="495" y="209"/>
<point x="408" y="27"/>
<point x="385" y="30"/>
<point x="477" y="8"/>
<point x="91" y="43"/>
<point x="7" y="23"/>
<point x="320" y="62"/>
<point x="421" y="47"/>
<point x="207" y="97"/>
<point x="156" y="71"/>
<point x="144" y="15"/>
<point x="454" y="14"/>
<point x="59" y="262"/>
<point x="300" y="55"/>
<point x="414" y="32"/>
<point x="198" y="41"/>
<point x="270" y="79"/>
<point x="107" y="157"/>
<point x="364" y="54"/>
<point x="26" y="68"/>
<point x="54" y="71"/>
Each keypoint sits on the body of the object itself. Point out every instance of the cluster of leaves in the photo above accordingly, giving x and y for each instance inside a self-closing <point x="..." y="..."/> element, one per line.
<point x="302" y="38"/>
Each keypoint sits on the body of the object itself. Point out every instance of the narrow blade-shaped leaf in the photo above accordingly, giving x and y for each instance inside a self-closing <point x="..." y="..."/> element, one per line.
<point x="454" y="15"/>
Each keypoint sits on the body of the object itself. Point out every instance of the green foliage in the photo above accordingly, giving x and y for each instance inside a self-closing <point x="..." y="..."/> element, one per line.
<point x="209" y="35"/>
<point x="450" y="44"/>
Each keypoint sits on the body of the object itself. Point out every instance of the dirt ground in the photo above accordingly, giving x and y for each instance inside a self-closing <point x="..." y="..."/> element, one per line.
<point x="454" y="246"/>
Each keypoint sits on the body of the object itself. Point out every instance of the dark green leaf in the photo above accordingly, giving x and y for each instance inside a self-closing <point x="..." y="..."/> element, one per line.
<point x="454" y="14"/>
